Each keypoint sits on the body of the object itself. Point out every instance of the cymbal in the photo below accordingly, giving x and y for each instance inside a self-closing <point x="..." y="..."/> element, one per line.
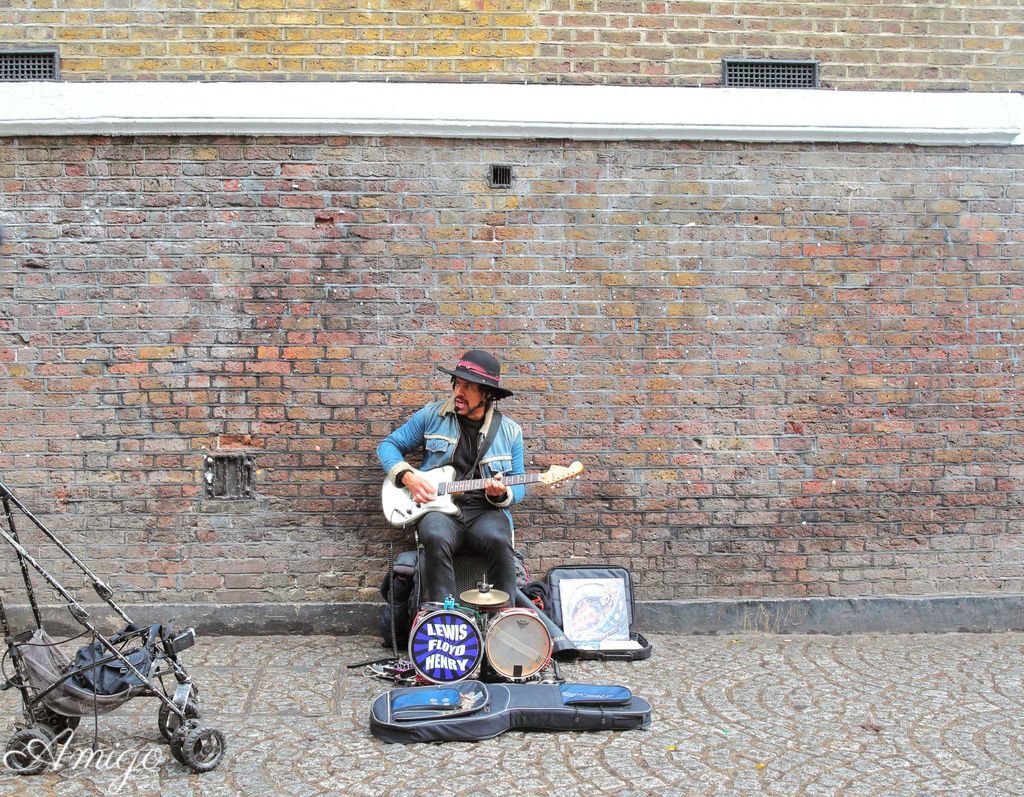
<point x="484" y="597"/>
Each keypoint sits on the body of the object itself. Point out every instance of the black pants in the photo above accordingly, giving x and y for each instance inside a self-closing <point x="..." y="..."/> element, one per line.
<point x="483" y="530"/>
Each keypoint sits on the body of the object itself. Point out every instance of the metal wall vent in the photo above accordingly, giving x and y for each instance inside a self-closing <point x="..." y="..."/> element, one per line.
<point x="769" y="74"/>
<point x="29" y="65"/>
<point x="228" y="475"/>
<point x="499" y="176"/>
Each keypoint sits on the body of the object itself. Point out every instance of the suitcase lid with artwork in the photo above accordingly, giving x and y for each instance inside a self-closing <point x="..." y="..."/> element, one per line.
<point x="593" y="604"/>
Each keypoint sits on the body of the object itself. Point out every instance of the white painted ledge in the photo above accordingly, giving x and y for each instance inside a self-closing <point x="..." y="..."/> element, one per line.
<point x="511" y="111"/>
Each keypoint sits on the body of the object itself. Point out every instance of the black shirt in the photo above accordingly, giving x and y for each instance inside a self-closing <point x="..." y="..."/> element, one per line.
<point x="466" y="451"/>
<point x="466" y="454"/>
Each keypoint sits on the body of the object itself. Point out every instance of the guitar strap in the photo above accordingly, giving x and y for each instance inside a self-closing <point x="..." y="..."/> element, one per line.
<point x="492" y="431"/>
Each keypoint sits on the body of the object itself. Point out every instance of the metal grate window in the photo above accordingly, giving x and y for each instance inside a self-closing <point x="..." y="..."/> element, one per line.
<point x="29" y="65"/>
<point x="769" y="74"/>
<point x="499" y="176"/>
<point x="229" y="475"/>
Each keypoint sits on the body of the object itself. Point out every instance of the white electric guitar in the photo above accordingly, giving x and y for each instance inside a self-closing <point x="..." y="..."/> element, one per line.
<point x="401" y="510"/>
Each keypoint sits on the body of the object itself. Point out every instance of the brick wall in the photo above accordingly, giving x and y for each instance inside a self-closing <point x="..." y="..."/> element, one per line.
<point x="863" y="44"/>
<point x="789" y="369"/>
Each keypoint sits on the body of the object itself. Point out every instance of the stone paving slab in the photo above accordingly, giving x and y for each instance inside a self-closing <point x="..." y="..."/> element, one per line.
<point x="733" y="715"/>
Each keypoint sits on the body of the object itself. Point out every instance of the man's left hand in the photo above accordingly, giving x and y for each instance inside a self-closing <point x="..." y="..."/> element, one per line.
<point x="495" y="488"/>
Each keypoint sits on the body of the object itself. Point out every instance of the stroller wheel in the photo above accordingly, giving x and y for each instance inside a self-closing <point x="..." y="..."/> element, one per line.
<point x="29" y="752"/>
<point x="203" y="748"/>
<point x="169" y="722"/>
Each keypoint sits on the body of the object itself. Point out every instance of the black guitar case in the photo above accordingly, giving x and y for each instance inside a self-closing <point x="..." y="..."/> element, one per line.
<point x="470" y="711"/>
<point x="561" y="577"/>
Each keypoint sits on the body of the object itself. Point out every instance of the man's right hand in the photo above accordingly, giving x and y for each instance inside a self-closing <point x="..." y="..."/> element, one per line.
<point x="420" y="487"/>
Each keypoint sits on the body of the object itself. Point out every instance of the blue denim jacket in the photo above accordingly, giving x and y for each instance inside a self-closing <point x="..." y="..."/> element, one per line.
<point x="435" y="429"/>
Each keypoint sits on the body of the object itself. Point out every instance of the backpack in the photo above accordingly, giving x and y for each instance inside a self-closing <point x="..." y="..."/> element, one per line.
<point x="539" y="594"/>
<point x="405" y="576"/>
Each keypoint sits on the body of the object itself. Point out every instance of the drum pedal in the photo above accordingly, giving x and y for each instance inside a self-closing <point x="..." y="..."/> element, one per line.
<point x="400" y="669"/>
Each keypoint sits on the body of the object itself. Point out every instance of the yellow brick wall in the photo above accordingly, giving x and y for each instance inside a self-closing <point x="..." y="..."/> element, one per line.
<point x="907" y="45"/>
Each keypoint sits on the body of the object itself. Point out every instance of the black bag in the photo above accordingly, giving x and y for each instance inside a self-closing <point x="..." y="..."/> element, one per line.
<point x="539" y="595"/>
<point x="405" y="576"/>
<point x="113" y="677"/>
<point x="588" y="586"/>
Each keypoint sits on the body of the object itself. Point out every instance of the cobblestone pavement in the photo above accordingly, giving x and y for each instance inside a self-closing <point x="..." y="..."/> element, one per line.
<point x="815" y="715"/>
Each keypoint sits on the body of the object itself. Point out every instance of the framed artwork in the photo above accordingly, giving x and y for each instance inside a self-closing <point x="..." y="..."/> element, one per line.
<point x="595" y="611"/>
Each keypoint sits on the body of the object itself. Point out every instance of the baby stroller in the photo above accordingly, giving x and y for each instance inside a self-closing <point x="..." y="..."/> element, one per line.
<point x="139" y="661"/>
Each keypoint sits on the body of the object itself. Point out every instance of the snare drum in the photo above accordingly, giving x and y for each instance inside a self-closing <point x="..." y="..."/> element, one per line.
<point x="445" y="645"/>
<point x="517" y="644"/>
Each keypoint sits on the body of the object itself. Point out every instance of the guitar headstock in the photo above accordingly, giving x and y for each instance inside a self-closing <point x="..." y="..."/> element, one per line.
<point x="557" y="473"/>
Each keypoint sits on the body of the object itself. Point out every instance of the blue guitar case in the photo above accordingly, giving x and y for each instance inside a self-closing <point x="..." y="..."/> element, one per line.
<point x="470" y="711"/>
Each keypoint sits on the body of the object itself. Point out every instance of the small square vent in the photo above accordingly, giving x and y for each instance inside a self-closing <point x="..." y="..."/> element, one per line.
<point x="499" y="176"/>
<point x="29" y="65"/>
<point x="769" y="74"/>
<point x="228" y="475"/>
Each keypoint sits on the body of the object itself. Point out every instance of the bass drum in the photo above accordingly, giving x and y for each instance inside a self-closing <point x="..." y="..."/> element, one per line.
<point x="517" y="644"/>
<point x="445" y="645"/>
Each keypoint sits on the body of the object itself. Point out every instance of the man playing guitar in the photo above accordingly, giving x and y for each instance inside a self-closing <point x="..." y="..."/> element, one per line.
<point x="465" y="431"/>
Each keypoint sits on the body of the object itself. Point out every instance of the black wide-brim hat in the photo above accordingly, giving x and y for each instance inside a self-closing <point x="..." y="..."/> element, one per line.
<point x="480" y="368"/>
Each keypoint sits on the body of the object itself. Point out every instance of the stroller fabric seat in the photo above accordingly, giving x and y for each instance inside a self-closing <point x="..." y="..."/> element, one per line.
<point x="47" y="665"/>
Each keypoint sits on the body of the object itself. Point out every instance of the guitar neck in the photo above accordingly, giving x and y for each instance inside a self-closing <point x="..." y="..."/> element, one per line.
<point x="468" y="485"/>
